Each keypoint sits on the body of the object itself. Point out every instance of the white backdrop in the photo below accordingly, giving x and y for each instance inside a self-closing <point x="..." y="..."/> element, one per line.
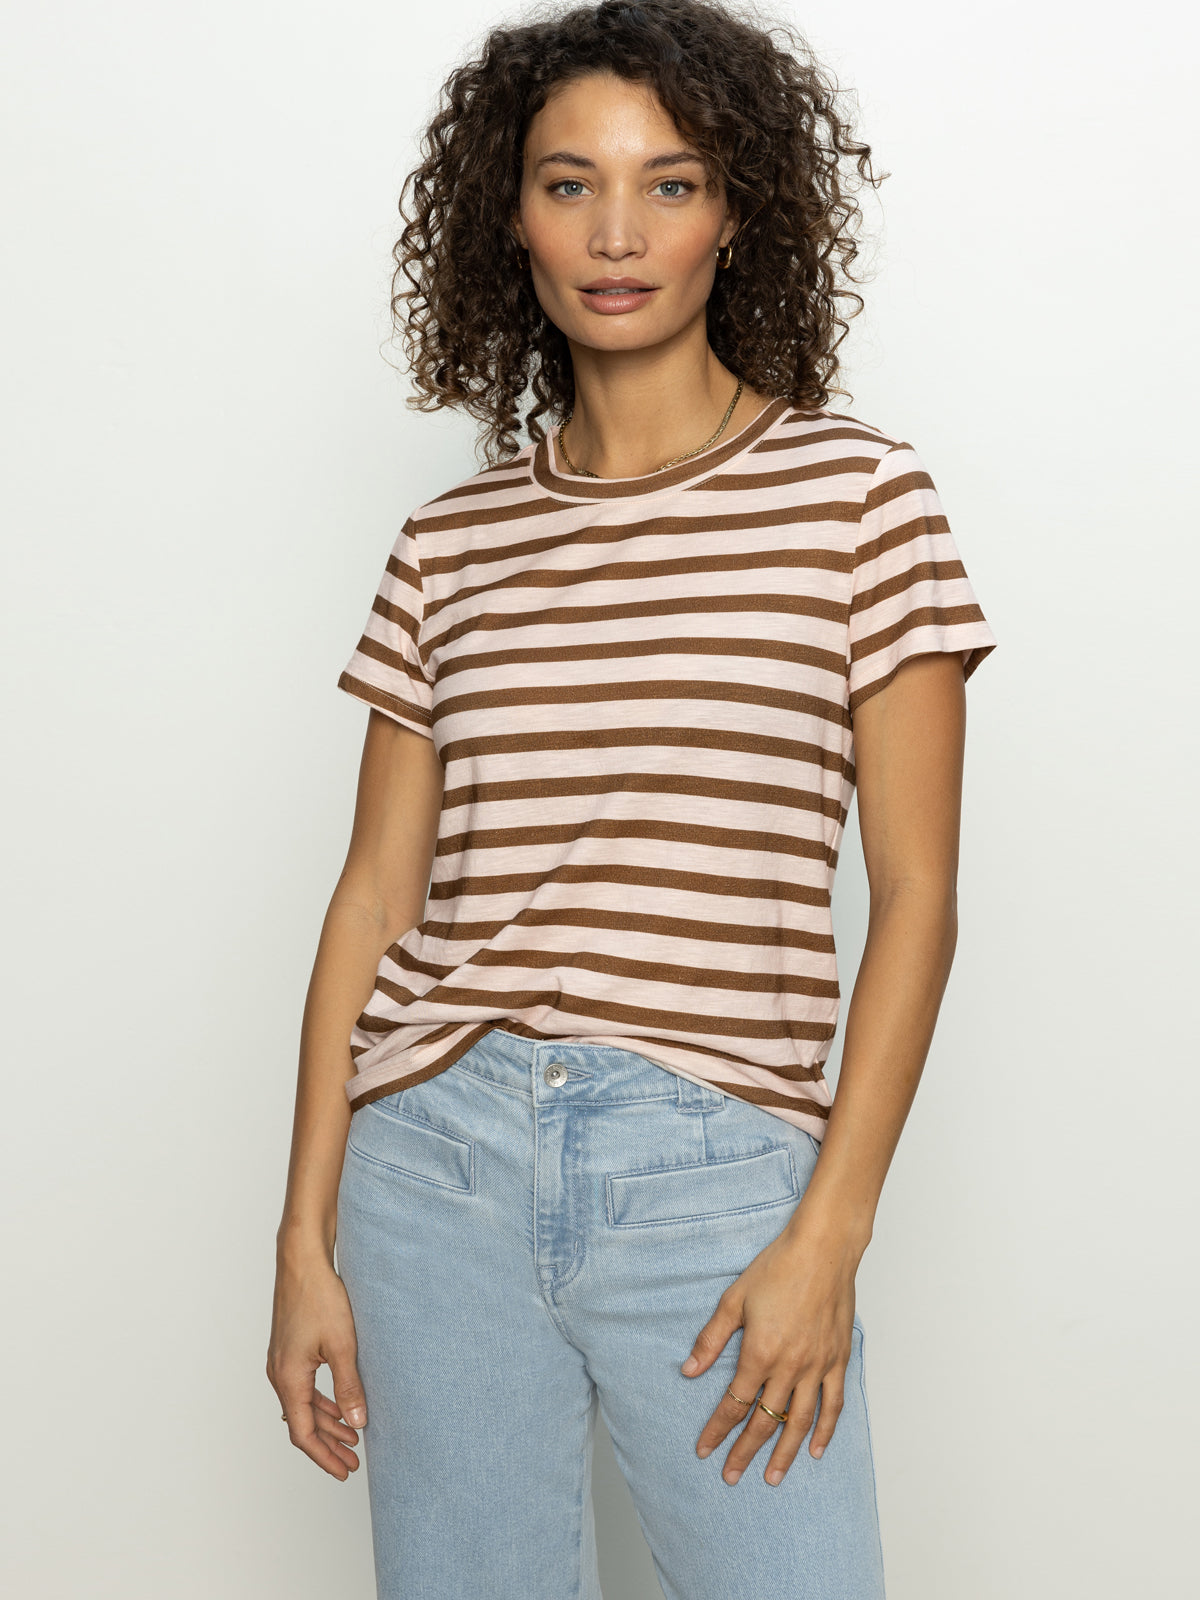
<point x="208" y="456"/>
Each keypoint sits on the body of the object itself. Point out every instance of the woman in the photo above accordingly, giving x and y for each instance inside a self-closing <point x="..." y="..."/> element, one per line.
<point x="623" y="684"/>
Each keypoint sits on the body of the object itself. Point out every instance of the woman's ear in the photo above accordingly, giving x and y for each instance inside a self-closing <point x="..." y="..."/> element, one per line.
<point x="735" y="222"/>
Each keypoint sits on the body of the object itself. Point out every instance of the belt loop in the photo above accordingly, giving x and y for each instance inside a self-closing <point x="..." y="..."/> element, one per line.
<point x="697" y="1096"/>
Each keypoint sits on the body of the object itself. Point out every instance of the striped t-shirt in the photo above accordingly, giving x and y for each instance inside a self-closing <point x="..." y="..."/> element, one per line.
<point x="642" y="692"/>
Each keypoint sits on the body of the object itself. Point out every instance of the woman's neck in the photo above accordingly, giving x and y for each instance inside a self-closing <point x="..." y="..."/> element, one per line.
<point x="637" y="409"/>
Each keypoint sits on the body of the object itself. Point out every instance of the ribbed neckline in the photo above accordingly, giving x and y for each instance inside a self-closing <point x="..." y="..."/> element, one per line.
<point x="549" y="475"/>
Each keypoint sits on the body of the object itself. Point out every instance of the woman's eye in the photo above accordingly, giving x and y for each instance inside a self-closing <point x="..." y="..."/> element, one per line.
<point x="572" y="187"/>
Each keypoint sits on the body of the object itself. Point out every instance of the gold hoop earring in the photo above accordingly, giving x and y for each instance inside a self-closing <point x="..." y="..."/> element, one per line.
<point x="726" y="250"/>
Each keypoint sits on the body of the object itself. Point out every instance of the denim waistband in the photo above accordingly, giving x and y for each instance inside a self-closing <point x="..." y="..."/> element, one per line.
<point x="596" y="1073"/>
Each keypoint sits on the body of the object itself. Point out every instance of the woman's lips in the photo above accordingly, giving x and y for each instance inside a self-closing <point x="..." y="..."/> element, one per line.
<point x="611" y="301"/>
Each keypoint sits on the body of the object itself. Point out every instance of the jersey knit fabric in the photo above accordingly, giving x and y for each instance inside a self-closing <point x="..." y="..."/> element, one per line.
<point x="642" y="692"/>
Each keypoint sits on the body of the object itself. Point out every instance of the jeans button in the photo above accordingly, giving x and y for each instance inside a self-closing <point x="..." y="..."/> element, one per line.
<point x="555" y="1074"/>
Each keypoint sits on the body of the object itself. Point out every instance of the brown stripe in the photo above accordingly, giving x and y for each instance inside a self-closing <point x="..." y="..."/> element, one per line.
<point x="512" y="474"/>
<point x="584" y="616"/>
<point x="901" y="582"/>
<point x="615" y="649"/>
<point x="802" y="472"/>
<point x="658" y="783"/>
<point x="803" y="413"/>
<point x="406" y="1080"/>
<point x="865" y="691"/>
<point x="771" y="1097"/>
<point x="980" y="652"/>
<point x="647" y="570"/>
<point x="541" y="834"/>
<point x="622" y="691"/>
<point x="805" y="440"/>
<point x="926" y="523"/>
<point x="656" y="878"/>
<point x="441" y="1030"/>
<point x="883" y="491"/>
<point x="380" y="698"/>
<point x="367" y="646"/>
<point x="560" y="740"/>
<point x="602" y="533"/>
<point x="772" y="935"/>
<point x="669" y="974"/>
<point x="401" y="615"/>
<point x="927" y="616"/>
<point x="401" y="570"/>
<point x="691" y="1021"/>
<point x="575" y="488"/>
<point x="793" y="1072"/>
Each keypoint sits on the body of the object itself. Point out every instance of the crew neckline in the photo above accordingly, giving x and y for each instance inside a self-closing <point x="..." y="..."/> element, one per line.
<point x="548" y="474"/>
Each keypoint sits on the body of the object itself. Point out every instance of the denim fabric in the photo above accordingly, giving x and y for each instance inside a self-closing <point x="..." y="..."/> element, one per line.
<point x="521" y="1244"/>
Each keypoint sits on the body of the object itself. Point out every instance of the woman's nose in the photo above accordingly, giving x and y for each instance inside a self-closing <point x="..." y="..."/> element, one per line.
<point x="615" y="232"/>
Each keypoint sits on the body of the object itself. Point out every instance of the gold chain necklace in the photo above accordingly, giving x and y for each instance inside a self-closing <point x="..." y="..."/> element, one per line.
<point x="582" y="472"/>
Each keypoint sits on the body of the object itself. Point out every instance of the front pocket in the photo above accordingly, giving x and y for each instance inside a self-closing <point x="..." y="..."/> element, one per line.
<point x="704" y="1189"/>
<point x="417" y="1149"/>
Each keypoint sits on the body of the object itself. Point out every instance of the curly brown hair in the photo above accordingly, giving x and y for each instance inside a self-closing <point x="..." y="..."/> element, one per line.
<point x="764" y="118"/>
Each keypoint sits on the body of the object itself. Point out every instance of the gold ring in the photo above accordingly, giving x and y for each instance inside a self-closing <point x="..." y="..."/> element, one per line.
<point x="780" y="1416"/>
<point x="738" y="1398"/>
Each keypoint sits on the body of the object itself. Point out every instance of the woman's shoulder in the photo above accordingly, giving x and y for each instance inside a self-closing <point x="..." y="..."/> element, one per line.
<point x="489" y="485"/>
<point x="826" y="424"/>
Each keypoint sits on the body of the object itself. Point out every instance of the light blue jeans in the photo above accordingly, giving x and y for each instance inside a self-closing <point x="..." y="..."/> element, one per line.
<point x="541" y="1228"/>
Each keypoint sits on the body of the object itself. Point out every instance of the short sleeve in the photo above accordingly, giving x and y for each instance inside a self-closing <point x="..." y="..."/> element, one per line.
<point x="386" y="669"/>
<point x="911" y="594"/>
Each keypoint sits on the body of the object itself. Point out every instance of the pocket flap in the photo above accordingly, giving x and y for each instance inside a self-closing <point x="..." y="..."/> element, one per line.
<point x="704" y="1189"/>
<point x="417" y="1149"/>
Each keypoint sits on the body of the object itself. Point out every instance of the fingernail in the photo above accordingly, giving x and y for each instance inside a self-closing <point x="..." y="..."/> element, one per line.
<point x="819" y="1451"/>
<point x="774" y="1476"/>
<point x="703" y="1450"/>
<point x="732" y="1475"/>
<point x="690" y="1365"/>
<point x="356" y="1416"/>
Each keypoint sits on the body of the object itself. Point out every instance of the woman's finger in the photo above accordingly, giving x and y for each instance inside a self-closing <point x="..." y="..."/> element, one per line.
<point x="732" y="1408"/>
<point x="759" y="1428"/>
<point x="833" y="1398"/>
<point x="795" y="1429"/>
<point x="800" y="1415"/>
<point x="297" y="1410"/>
<point x="337" y="1437"/>
<point x="329" y="1422"/>
<point x="299" y="1404"/>
<point x="342" y="1357"/>
<point x="716" y="1332"/>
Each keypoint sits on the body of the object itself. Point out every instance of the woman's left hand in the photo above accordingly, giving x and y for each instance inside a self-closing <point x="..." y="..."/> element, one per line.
<point x="795" y="1305"/>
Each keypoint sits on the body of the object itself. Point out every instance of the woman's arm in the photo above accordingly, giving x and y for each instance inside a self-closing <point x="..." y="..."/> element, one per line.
<point x="909" y="741"/>
<point x="795" y="1301"/>
<point x="380" y="894"/>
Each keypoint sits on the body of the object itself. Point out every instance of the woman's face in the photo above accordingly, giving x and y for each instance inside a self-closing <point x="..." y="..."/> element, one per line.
<point x="610" y="189"/>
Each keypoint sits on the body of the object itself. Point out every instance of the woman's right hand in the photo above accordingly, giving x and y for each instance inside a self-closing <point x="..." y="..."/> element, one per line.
<point x="312" y="1323"/>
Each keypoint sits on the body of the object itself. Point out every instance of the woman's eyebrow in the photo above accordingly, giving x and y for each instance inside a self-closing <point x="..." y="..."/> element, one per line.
<point x="568" y="158"/>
